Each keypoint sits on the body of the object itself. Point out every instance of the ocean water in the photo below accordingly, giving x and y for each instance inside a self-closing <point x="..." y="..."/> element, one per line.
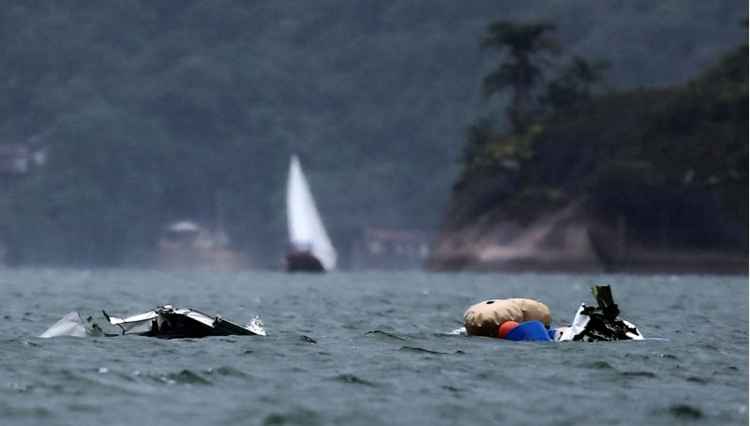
<point x="370" y="349"/>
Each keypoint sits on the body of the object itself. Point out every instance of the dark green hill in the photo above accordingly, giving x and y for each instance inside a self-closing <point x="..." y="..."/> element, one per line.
<point x="157" y="111"/>
<point x="661" y="169"/>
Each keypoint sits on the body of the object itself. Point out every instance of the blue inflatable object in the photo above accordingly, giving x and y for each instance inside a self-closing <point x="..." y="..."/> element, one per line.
<point x="533" y="331"/>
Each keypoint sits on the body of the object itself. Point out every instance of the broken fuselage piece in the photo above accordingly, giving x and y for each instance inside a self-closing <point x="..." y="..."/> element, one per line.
<point x="169" y="322"/>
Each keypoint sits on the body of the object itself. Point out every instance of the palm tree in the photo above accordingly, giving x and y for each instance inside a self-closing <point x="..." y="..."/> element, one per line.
<point x="524" y="47"/>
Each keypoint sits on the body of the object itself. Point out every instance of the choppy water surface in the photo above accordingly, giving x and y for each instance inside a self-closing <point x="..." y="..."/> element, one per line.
<point x="371" y="349"/>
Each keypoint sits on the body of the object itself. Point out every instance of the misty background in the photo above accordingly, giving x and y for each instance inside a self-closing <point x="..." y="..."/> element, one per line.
<point x="148" y="113"/>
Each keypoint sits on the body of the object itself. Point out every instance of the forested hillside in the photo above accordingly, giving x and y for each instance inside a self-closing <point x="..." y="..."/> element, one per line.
<point x="651" y="179"/>
<point x="157" y="111"/>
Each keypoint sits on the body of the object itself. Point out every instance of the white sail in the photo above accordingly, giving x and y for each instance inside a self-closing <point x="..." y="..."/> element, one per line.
<point x="306" y="230"/>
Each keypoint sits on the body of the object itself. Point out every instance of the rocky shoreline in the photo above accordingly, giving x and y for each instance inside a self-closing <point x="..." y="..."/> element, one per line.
<point x="570" y="240"/>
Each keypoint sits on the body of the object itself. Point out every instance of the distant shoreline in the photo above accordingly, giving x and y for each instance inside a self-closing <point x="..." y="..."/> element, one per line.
<point x="568" y="241"/>
<point x="681" y="264"/>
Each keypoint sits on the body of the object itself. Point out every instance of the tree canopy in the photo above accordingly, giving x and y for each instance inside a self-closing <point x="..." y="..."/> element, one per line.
<point x="153" y="112"/>
<point x="526" y="47"/>
<point x="671" y="162"/>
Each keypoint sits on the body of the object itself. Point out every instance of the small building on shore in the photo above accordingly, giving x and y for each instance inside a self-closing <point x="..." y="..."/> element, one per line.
<point x="187" y="245"/>
<point x="390" y="248"/>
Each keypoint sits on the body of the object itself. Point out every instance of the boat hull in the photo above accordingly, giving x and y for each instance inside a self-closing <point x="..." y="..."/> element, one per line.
<point x="303" y="262"/>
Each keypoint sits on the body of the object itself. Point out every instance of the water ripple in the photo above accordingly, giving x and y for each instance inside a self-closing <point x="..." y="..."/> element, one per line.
<point x="417" y="349"/>
<point x="600" y="365"/>
<point x="187" y="377"/>
<point x="685" y="411"/>
<point x="381" y="333"/>
<point x="352" y="379"/>
<point x="636" y="374"/>
<point x="308" y="339"/>
<point x="293" y="417"/>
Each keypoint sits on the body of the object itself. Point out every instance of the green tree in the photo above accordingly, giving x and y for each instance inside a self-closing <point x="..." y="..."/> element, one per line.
<point x="525" y="49"/>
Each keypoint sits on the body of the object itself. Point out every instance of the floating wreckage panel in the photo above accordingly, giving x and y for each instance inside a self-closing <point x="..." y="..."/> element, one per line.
<point x="165" y="322"/>
<point x="71" y="325"/>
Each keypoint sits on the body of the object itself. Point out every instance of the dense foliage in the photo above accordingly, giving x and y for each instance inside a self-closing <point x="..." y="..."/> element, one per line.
<point x="156" y="111"/>
<point x="672" y="162"/>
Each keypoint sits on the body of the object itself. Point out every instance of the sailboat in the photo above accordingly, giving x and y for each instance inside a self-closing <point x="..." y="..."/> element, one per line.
<point x="310" y="248"/>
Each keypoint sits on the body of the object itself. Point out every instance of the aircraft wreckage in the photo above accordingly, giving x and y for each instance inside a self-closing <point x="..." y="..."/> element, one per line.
<point x="165" y="322"/>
